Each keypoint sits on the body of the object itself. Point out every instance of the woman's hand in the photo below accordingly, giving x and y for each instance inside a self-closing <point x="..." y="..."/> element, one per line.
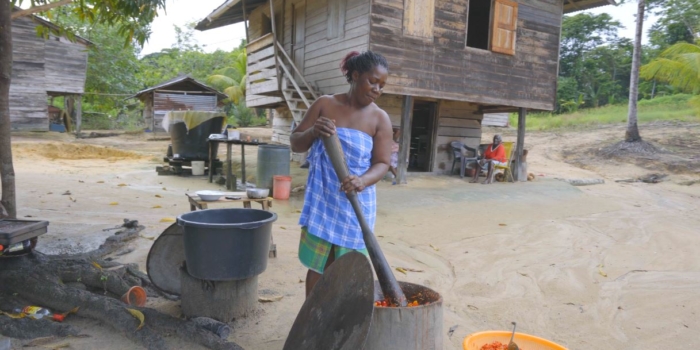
<point x="352" y="183"/>
<point x="323" y="127"/>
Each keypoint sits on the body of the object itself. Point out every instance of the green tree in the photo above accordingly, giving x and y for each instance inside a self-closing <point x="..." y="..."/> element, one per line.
<point x="232" y="80"/>
<point x="131" y="17"/>
<point x="678" y="66"/>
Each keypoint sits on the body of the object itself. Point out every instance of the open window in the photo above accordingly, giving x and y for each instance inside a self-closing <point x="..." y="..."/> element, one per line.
<point x="492" y="24"/>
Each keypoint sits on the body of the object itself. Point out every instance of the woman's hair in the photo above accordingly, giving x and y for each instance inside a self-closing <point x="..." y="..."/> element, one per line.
<point x="361" y="63"/>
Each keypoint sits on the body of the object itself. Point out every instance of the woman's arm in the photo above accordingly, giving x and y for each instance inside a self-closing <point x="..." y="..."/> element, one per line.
<point x="381" y="157"/>
<point x="311" y="127"/>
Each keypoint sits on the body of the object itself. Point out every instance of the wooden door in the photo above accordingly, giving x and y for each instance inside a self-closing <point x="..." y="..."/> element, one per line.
<point x="298" y="34"/>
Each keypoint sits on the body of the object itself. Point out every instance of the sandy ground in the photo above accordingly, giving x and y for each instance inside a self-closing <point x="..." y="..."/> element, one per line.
<point x="611" y="266"/>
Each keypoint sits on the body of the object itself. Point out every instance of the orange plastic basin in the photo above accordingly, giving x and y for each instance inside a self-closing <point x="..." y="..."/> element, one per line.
<point x="525" y="341"/>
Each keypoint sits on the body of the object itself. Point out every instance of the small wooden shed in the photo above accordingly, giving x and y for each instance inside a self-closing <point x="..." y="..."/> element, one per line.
<point x="183" y="93"/>
<point x="450" y="62"/>
<point x="43" y="68"/>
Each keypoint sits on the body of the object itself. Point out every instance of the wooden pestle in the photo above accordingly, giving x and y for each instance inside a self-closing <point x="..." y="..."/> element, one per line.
<point x="387" y="281"/>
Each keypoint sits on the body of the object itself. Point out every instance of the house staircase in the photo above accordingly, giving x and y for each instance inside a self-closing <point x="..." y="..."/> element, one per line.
<point x="274" y="81"/>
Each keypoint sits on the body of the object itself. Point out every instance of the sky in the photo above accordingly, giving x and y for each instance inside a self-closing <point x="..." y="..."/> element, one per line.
<point x="180" y="12"/>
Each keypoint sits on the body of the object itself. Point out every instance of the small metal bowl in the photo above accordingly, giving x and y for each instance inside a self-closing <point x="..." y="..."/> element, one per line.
<point x="257" y="193"/>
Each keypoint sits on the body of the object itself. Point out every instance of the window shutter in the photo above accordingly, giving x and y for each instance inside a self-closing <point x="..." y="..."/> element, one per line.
<point x="418" y="18"/>
<point x="505" y="23"/>
<point x="336" y="19"/>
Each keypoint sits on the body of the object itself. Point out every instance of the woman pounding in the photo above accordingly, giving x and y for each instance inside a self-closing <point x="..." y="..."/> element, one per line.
<point x="329" y="227"/>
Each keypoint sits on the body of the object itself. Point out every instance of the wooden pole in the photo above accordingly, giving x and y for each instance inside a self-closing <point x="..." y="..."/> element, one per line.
<point x="405" y="142"/>
<point x="78" y="113"/>
<point x="520" y="145"/>
<point x="245" y="23"/>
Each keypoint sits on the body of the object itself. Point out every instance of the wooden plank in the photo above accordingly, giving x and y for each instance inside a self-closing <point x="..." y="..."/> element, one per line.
<point x="458" y="132"/>
<point x="522" y="113"/>
<point x="405" y="142"/>
<point x="458" y="122"/>
<point x="257" y="56"/>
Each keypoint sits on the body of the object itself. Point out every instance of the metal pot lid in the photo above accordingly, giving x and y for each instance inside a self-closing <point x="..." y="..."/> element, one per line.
<point x="338" y="312"/>
<point x="165" y="258"/>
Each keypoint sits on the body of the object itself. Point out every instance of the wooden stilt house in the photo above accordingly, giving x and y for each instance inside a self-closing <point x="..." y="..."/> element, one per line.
<point x="450" y="61"/>
<point x="44" y="68"/>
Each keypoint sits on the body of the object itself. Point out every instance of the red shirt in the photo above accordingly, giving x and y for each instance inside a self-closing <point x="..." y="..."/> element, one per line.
<point x="498" y="154"/>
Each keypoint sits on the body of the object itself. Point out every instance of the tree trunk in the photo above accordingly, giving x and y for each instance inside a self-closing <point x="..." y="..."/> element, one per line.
<point x="632" y="133"/>
<point x="8" y="203"/>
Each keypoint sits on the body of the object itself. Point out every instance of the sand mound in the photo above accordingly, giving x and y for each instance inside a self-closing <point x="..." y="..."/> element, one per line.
<point x="73" y="151"/>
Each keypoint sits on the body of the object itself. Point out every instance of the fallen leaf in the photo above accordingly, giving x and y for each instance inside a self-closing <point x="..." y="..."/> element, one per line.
<point x="601" y="272"/>
<point x="58" y="346"/>
<point x="100" y="182"/>
<point x="167" y="220"/>
<point x="282" y="227"/>
<point x="28" y="216"/>
<point x="402" y="270"/>
<point x="41" y="341"/>
<point x="156" y="207"/>
<point x="74" y="200"/>
<point x="452" y="330"/>
<point x="472" y="307"/>
<point x="122" y="185"/>
<point x="114" y="203"/>
<point x="380" y="236"/>
<point x="73" y="311"/>
<point x="298" y="211"/>
<point x="270" y="299"/>
<point x="95" y="264"/>
<point x="139" y="316"/>
<point x="49" y="192"/>
<point x="412" y="270"/>
<point x="10" y="315"/>
<point x="502" y="225"/>
<point x="158" y="196"/>
<point x="81" y="181"/>
<point x="151" y="238"/>
<point x="67" y="193"/>
<point x="165" y="189"/>
<point x="436" y="249"/>
<point x="301" y="280"/>
<point x="522" y="274"/>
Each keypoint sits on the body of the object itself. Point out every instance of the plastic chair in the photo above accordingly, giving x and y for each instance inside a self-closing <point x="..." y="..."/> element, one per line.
<point x="508" y="146"/>
<point x="464" y="160"/>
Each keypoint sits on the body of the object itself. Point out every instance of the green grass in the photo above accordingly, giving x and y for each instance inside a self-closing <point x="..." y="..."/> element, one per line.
<point x="674" y="107"/>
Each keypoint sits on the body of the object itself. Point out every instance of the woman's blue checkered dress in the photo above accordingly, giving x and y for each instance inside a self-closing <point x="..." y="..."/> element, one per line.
<point x="327" y="213"/>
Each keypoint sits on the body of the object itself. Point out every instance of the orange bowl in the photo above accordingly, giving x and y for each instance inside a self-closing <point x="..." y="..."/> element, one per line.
<point x="475" y="341"/>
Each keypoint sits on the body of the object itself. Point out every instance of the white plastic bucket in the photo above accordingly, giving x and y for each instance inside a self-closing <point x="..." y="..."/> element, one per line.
<point x="198" y="167"/>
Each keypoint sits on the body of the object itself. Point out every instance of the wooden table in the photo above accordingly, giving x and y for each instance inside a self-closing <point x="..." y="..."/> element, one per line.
<point x="266" y="203"/>
<point x="214" y="143"/>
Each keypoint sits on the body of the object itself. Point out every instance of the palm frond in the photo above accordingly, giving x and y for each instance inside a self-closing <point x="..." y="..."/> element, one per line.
<point x="221" y="82"/>
<point x="673" y="72"/>
<point x="680" y="49"/>
<point x="234" y="93"/>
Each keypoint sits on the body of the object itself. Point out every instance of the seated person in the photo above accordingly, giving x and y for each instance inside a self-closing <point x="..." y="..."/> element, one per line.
<point x="495" y="154"/>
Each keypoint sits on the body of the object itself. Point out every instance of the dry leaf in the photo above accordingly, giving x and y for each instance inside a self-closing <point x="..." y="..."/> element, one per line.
<point x="601" y="272"/>
<point x="100" y="182"/>
<point x="165" y="189"/>
<point x="270" y="299"/>
<point x="282" y="227"/>
<point x="41" y="341"/>
<point x="122" y="185"/>
<point x="402" y="270"/>
<point x="412" y="270"/>
<point x="81" y="181"/>
<point x="10" y="315"/>
<point x="167" y="220"/>
<point x="114" y="203"/>
<point x="298" y="211"/>
<point x="151" y="238"/>
<point x="156" y="207"/>
<point x="75" y="310"/>
<point x="301" y="280"/>
<point x="158" y="196"/>
<point x="96" y="265"/>
<point x="502" y="225"/>
<point x="67" y="193"/>
<point x="436" y="249"/>
<point x="58" y="346"/>
<point x="139" y="316"/>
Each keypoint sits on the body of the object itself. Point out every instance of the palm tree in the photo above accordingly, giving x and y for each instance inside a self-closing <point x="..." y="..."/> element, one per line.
<point x="632" y="133"/>
<point x="231" y="80"/>
<point x="678" y="66"/>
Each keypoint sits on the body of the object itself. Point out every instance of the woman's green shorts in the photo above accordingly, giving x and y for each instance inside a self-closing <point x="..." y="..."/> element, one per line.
<point x="314" y="251"/>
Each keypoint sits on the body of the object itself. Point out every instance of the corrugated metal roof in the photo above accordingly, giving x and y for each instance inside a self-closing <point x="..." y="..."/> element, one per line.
<point x="231" y="11"/>
<point x="182" y="102"/>
<point x="178" y="80"/>
<point x="580" y="5"/>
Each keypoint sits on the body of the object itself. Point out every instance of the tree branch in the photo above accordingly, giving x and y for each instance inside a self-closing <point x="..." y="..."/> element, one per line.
<point x="42" y="8"/>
